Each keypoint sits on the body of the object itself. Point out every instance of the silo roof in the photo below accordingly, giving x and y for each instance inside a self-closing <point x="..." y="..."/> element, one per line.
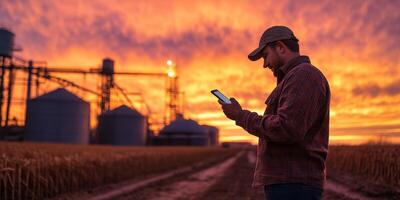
<point x="59" y="94"/>
<point x="2" y="29"/>
<point x="184" y="126"/>
<point x="124" y="111"/>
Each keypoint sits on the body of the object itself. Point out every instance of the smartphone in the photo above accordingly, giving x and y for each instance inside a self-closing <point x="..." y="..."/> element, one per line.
<point x="220" y="96"/>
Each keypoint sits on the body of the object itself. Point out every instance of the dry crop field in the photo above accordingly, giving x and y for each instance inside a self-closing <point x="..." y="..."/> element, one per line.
<point x="37" y="171"/>
<point x="379" y="164"/>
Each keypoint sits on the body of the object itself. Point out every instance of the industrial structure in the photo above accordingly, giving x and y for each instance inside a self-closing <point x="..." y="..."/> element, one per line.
<point x="58" y="116"/>
<point x="186" y="132"/>
<point x="64" y="110"/>
<point x="122" y="126"/>
<point x="6" y="56"/>
<point x="213" y="134"/>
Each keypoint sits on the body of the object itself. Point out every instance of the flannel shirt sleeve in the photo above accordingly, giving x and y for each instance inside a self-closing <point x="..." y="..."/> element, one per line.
<point x="298" y="109"/>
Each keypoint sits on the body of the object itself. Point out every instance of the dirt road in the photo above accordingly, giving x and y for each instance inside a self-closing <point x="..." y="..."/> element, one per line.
<point x="227" y="179"/>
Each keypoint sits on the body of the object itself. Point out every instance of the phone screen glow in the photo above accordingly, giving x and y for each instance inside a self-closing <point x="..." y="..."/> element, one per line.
<point x="222" y="97"/>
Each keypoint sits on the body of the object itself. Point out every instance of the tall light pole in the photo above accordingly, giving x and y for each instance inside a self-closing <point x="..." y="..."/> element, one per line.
<point x="172" y="93"/>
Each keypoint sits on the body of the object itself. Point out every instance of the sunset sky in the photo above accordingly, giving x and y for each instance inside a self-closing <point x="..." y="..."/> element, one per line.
<point x="356" y="44"/>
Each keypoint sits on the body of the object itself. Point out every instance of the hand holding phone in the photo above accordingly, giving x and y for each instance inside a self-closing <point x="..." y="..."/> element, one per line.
<point x="221" y="96"/>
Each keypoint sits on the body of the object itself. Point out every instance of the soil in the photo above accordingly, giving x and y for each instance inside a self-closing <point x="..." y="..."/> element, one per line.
<point x="231" y="179"/>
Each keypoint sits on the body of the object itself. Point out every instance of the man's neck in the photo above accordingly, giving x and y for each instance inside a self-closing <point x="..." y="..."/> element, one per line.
<point x="290" y="56"/>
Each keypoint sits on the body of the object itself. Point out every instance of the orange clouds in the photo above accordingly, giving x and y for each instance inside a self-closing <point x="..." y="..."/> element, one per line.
<point x="355" y="44"/>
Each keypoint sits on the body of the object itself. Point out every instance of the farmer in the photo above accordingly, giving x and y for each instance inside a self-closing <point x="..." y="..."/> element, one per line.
<point x="293" y="132"/>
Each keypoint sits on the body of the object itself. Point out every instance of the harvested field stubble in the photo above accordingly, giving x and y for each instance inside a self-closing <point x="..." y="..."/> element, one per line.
<point x="374" y="163"/>
<point x="37" y="171"/>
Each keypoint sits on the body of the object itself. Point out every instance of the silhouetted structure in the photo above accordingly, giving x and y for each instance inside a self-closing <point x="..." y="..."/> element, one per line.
<point x="122" y="126"/>
<point x="183" y="132"/>
<point x="213" y="133"/>
<point x="38" y="72"/>
<point x="58" y="116"/>
<point x="7" y="43"/>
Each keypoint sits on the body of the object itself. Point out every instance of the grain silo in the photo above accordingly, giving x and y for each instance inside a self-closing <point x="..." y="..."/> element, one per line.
<point x="184" y="132"/>
<point x="122" y="126"/>
<point x="6" y="42"/>
<point x="213" y="134"/>
<point x="58" y="116"/>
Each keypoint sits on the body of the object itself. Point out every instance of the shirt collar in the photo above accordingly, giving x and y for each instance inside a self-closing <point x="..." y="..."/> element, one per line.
<point x="282" y="71"/>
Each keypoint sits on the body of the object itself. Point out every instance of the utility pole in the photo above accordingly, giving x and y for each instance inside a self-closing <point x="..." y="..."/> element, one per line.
<point x="3" y="71"/>
<point x="30" y="69"/>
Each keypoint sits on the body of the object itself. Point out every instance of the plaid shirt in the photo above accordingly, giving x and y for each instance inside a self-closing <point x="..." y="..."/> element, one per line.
<point x="294" y="130"/>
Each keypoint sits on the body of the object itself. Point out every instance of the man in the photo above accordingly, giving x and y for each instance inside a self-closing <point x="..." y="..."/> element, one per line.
<point x="293" y="132"/>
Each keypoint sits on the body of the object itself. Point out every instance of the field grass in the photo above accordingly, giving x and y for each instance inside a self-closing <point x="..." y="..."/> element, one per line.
<point x="37" y="171"/>
<point x="374" y="163"/>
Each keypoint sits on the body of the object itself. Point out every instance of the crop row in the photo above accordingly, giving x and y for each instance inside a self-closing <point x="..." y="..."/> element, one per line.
<point x="374" y="163"/>
<point x="37" y="171"/>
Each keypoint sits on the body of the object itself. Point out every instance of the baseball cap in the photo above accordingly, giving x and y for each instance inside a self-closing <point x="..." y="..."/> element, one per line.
<point x="272" y="34"/>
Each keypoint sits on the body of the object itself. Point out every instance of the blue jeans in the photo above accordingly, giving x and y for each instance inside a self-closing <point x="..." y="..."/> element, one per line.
<point x="292" y="191"/>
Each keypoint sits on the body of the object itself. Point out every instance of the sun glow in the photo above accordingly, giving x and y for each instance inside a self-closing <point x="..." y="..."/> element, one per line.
<point x="212" y="47"/>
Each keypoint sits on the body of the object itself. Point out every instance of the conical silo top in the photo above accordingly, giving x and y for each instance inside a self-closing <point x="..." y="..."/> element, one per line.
<point x="59" y="94"/>
<point x="124" y="111"/>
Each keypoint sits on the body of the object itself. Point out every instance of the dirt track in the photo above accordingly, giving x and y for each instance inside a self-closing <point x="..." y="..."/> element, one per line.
<point x="227" y="179"/>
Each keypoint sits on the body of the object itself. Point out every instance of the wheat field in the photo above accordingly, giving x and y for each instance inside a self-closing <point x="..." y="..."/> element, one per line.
<point x="37" y="171"/>
<point x="374" y="163"/>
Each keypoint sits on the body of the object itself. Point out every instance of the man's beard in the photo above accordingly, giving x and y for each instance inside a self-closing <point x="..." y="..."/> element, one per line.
<point x="277" y="66"/>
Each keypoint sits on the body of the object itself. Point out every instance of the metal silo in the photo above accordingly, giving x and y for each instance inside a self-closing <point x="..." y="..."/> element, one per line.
<point x="122" y="126"/>
<point x="6" y="42"/>
<point x="184" y="132"/>
<point x="213" y="134"/>
<point x="58" y="116"/>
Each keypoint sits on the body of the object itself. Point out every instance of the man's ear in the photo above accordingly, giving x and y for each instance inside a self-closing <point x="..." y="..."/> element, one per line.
<point x="281" y="48"/>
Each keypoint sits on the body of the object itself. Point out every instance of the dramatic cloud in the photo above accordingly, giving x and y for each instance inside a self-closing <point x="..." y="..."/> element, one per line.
<point x="354" y="43"/>
<point x="375" y="90"/>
